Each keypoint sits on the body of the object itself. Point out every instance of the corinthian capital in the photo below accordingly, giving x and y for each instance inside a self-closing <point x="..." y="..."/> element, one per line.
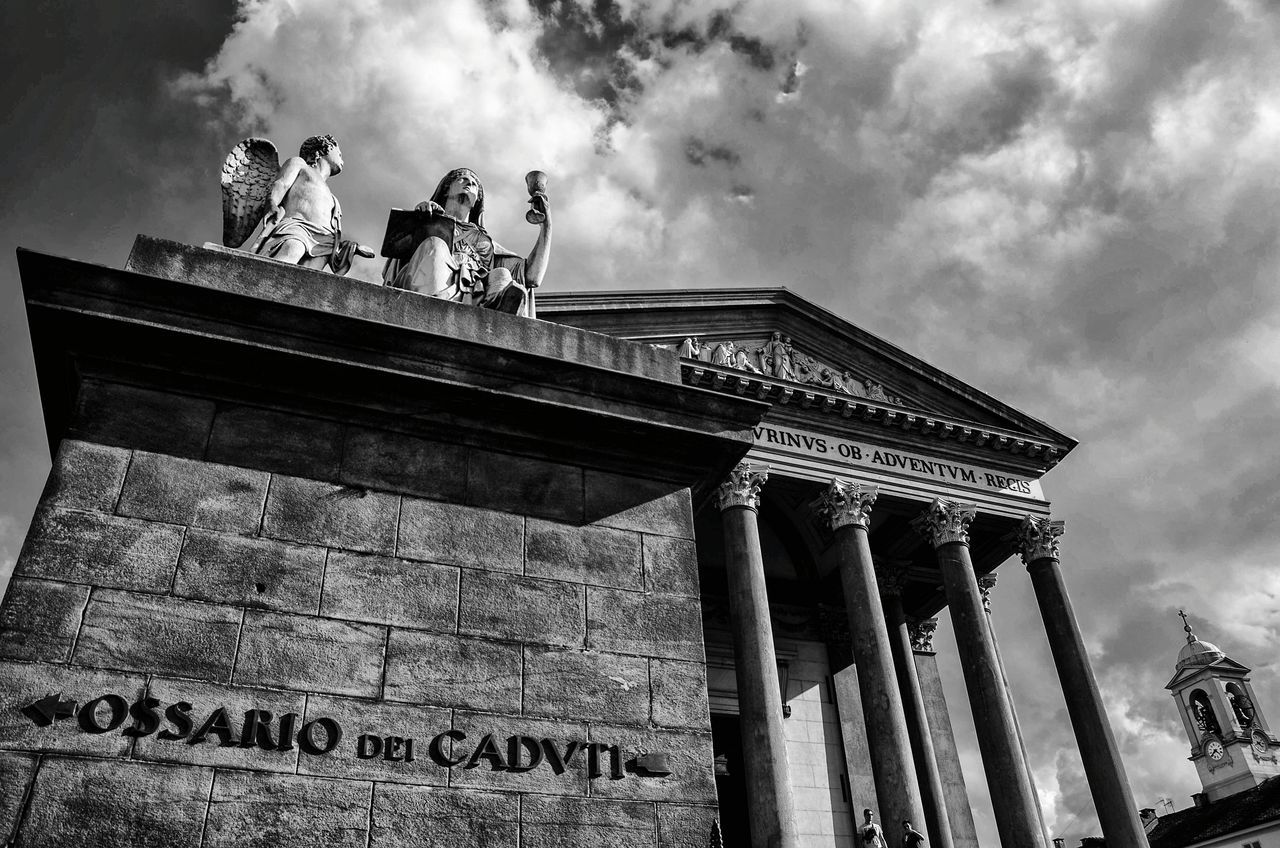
<point x="986" y="583"/>
<point x="946" y="521"/>
<point x="922" y="633"/>
<point x="1038" y="538"/>
<point x="848" y="504"/>
<point x="742" y="486"/>
<point x="891" y="576"/>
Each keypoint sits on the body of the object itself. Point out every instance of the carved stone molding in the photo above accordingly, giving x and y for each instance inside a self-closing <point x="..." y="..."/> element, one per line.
<point x="777" y="359"/>
<point x="742" y="487"/>
<point x="848" y="504"/>
<point x="922" y="633"/>
<point x="986" y="583"/>
<point x="946" y="521"/>
<point x="1038" y="538"/>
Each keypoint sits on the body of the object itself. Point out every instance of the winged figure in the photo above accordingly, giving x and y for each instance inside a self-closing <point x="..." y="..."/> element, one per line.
<point x="301" y="218"/>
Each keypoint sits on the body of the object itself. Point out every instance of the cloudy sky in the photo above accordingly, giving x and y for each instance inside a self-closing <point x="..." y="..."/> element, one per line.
<point x="1070" y="205"/>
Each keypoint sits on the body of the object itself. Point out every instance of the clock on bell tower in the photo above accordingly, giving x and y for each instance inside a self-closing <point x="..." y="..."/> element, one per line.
<point x="1231" y="743"/>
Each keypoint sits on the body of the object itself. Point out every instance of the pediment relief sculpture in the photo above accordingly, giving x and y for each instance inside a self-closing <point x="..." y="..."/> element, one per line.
<point x="778" y="358"/>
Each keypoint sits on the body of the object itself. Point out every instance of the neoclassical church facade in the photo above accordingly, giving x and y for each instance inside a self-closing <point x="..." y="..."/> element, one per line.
<point x="327" y="563"/>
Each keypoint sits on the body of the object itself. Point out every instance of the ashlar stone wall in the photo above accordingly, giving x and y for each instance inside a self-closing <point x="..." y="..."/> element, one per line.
<point x="204" y="654"/>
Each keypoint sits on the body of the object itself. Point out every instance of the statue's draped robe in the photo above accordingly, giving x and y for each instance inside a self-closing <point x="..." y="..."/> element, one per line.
<point x="317" y="239"/>
<point x="474" y="257"/>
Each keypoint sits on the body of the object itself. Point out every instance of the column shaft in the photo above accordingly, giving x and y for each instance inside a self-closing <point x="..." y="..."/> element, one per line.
<point x="1012" y="793"/>
<point x="892" y="766"/>
<point x="1112" y="797"/>
<point x="771" y="809"/>
<point x="931" y="792"/>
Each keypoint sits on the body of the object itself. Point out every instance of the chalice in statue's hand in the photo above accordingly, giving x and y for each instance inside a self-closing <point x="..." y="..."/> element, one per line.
<point x="536" y="182"/>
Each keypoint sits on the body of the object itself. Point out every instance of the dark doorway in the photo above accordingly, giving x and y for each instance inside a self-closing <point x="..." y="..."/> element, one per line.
<point x="731" y="782"/>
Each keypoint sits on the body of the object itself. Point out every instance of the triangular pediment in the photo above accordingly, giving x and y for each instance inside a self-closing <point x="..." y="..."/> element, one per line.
<point x="776" y="345"/>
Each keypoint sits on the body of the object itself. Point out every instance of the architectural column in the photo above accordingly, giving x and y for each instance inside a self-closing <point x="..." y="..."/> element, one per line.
<point x="936" y="821"/>
<point x="848" y="506"/>
<point x="770" y="805"/>
<point x="1112" y="797"/>
<point x="986" y="583"/>
<point x="1013" y="795"/>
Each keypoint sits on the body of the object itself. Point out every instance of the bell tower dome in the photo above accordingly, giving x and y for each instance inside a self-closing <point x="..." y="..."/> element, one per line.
<point x="1231" y="743"/>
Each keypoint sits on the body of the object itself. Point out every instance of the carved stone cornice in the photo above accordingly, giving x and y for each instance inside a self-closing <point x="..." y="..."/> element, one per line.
<point x="742" y="486"/>
<point x="848" y="504"/>
<point x="922" y="633"/>
<point x="986" y="583"/>
<point x="1037" y="538"/>
<point x="946" y="521"/>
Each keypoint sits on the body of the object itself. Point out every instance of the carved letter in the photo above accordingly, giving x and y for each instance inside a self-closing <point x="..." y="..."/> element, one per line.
<point x="257" y="730"/>
<point x="489" y="751"/>
<point x="218" y="725"/>
<point x="145" y="717"/>
<point x="177" y="716"/>
<point x="368" y="746"/>
<point x="436" y="749"/>
<point x="515" y="753"/>
<point x="307" y="739"/>
<point x="560" y="763"/>
<point x="89" y="714"/>
<point x="287" y="722"/>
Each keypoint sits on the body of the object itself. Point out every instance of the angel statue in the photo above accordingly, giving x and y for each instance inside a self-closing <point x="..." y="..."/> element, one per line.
<point x="301" y="219"/>
<point x="443" y="250"/>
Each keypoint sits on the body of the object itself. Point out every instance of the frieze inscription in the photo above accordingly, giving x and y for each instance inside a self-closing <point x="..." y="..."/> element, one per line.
<point x="320" y="736"/>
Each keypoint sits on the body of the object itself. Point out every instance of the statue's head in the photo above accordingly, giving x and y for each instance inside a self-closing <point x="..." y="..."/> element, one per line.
<point x="445" y="188"/>
<point x="319" y="146"/>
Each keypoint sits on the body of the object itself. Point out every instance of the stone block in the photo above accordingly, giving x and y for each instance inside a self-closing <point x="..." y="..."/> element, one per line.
<point x="317" y="513"/>
<point x="630" y="503"/>
<point x="570" y="779"/>
<point x="26" y="683"/>
<point x="86" y="476"/>
<point x="586" y="685"/>
<point x="455" y="818"/>
<point x="692" y="779"/>
<point x="679" y="694"/>
<point x="86" y="547"/>
<point x="525" y="485"/>
<point x="302" y="812"/>
<point x="380" y="719"/>
<point x="680" y="826"/>
<point x="599" y="556"/>
<point x="275" y="441"/>
<point x="16" y="774"/>
<point x="40" y="619"/>
<point x="428" y="668"/>
<point x="671" y="566"/>
<point x="310" y="654"/>
<point x="461" y="535"/>
<point x="653" y="625"/>
<point x="145" y="419"/>
<point x="205" y="699"/>
<point x="158" y="635"/>
<point x="398" y="462"/>
<point x="387" y="590"/>
<point x="105" y="803"/>
<point x="586" y="823"/>
<point x="198" y="494"/>
<point x="506" y="606"/>
<point x="260" y="573"/>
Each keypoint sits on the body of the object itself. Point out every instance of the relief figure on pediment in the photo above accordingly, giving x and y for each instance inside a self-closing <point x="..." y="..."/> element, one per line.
<point x="776" y="357"/>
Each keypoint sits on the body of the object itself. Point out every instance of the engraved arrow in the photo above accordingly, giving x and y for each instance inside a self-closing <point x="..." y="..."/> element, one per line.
<point x="49" y="709"/>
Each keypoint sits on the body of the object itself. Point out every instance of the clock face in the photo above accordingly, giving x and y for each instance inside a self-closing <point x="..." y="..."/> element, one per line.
<point x="1260" y="742"/>
<point x="1214" y="749"/>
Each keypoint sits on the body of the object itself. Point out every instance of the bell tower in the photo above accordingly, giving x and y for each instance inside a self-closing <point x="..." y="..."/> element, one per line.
<point x="1231" y="743"/>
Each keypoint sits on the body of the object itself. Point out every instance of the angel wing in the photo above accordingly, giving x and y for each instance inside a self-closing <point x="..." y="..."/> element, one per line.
<point x="247" y="175"/>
